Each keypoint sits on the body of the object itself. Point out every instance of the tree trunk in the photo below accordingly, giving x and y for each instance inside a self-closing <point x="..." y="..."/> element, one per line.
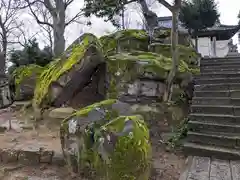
<point x="58" y="36"/>
<point x="175" y="61"/>
<point x="123" y="20"/>
<point x="3" y="53"/>
<point x="150" y="17"/>
<point x="59" y="29"/>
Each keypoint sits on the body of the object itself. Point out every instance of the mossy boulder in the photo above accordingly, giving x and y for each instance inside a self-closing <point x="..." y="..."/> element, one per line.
<point x="126" y="67"/>
<point x="78" y="60"/>
<point x="25" y="78"/>
<point x="108" y="140"/>
<point x="163" y="35"/>
<point x="125" y="40"/>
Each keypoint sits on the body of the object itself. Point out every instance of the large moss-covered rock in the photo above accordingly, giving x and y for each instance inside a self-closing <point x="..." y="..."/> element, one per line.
<point x="107" y="139"/>
<point x="79" y="60"/>
<point x="125" y="40"/>
<point x="25" y="78"/>
<point x="60" y="84"/>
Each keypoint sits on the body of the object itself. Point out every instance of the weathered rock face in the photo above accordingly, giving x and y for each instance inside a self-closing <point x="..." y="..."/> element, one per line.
<point x="25" y="78"/>
<point x="65" y="77"/>
<point x="106" y="139"/>
<point x="95" y="91"/>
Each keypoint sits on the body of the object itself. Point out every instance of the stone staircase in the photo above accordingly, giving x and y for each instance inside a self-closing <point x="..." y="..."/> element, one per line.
<point x="214" y="121"/>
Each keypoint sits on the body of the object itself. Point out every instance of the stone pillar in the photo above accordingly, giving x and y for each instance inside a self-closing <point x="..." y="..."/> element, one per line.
<point x="214" y="49"/>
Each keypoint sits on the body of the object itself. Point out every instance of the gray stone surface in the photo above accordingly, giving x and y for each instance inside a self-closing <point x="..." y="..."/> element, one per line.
<point x="205" y="168"/>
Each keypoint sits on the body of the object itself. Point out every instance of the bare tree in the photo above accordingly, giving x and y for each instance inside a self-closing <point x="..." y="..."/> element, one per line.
<point x="57" y="10"/>
<point x="175" y="8"/>
<point x="9" y="24"/>
<point x="47" y="30"/>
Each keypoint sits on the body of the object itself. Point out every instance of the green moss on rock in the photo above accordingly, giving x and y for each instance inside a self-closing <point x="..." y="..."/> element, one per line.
<point x="130" y="159"/>
<point x="62" y="65"/>
<point x="131" y="39"/>
<point x="123" y="64"/>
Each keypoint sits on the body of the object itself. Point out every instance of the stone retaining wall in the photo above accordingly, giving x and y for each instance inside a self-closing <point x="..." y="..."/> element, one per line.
<point x="31" y="155"/>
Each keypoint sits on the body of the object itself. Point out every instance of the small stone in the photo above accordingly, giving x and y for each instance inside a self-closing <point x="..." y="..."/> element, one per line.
<point x="61" y="113"/>
<point x="58" y="159"/>
<point x="28" y="154"/>
<point x="9" y="155"/>
<point x="27" y="126"/>
<point x="2" y="129"/>
<point x="46" y="156"/>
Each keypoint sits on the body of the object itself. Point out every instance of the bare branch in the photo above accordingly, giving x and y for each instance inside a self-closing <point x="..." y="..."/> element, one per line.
<point x="166" y="4"/>
<point x="78" y="15"/>
<point x="68" y="2"/>
<point x="24" y="6"/>
<point x="36" y="17"/>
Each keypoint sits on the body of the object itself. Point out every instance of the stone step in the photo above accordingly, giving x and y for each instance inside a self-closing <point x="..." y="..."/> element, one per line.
<point x="211" y="109"/>
<point x="217" y="87"/>
<point x="219" y="61"/>
<point x="203" y="127"/>
<point x="219" y="70"/>
<point x="213" y="118"/>
<point x="224" y="140"/>
<point x="217" y="75"/>
<point x="223" y="93"/>
<point x="221" y="66"/>
<point x="217" y="80"/>
<point x="222" y="63"/>
<point x="216" y="101"/>
<point x="195" y="149"/>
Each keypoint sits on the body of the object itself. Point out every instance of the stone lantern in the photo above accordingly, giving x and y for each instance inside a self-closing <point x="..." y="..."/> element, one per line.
<point x="5" y="93"/>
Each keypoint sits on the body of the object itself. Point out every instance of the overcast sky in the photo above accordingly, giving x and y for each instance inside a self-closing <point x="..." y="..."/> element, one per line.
<point x="228" y="9"/>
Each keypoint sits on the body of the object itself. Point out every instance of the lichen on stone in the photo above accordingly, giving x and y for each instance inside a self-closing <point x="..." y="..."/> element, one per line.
<point x="62" y="65"/>
<point x="83" y="112"/>
<point x="21" y="73"/>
